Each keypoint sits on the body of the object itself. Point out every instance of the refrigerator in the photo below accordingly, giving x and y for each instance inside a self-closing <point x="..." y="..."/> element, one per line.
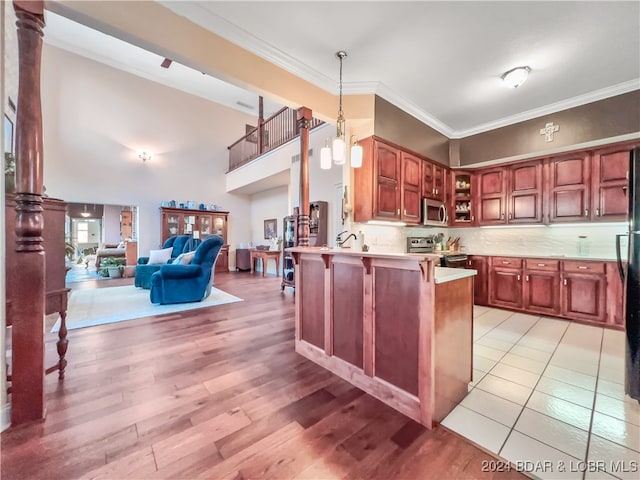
<point x="631" y="277"/>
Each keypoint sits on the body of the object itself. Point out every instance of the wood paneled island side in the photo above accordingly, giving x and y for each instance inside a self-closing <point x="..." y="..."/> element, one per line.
<point x="394" y="325"/>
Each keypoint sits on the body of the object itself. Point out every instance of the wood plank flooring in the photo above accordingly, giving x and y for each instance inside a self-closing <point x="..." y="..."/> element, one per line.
<point x="220" y="393"/>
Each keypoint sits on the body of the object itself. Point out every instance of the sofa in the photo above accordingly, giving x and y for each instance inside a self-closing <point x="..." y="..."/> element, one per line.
<point x="190" y="282"/>
<point x="179" y="244"/>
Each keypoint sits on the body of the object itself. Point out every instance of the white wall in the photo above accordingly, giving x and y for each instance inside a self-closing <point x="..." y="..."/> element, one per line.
<point x="111" y="224"/>
<point x="264" y="206"/>
<point x="97" y="118"/>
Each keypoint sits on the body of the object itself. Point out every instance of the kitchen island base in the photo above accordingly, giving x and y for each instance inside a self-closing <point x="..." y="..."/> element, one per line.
<point x="393" y="325"/>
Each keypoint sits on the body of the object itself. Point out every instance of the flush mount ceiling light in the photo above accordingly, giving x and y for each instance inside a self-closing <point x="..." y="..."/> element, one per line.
<point x="84" y="213"/>
<point x="338" y="151"/>
<point x="516" y="76"/>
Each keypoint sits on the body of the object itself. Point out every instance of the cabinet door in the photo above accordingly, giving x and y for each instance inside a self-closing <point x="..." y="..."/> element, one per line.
<point x="525" y="193"/>
<point x="411" y="192"/>
<point x="491" y="196"/>
<point x="480" y="281"/>
<point x="387" y="195"/>
<point x="439" y="182"/>
<point x="222" y="262"/>
<point x="542" y="292"/>
<point x="505" y="288"/>
<point x="219" y="222"/>
<point x="610" y="198"/>
<point x="205" y="224"/>
<point x="460" y="205"/>
<point x="569" y="190"/>
<point x="583" y="297"/>
<point x="428" y="179"/>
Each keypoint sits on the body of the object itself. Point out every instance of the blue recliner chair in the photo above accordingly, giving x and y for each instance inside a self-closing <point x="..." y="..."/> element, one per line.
<point x="179" y="243"/>
<point x="175" y="283"/>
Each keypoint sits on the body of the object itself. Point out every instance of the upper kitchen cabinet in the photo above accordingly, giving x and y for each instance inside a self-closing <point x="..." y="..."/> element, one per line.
<point x="461" y="205"/>
<point x="433" y="180"/>
<point x="411" y="188"/>
<point x="525" y="198"/>
<point x="610" y="198"/>
<point x="491" y="196"/>
<point x="569" y="188"/>
<point x="388" y="185"/>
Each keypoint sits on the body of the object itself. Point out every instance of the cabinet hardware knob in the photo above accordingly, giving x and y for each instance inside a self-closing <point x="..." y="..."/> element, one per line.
<point x="502" y="216"/>
<point x="564" y="282"/>
<point x="527" y="278"/>
<point x="405" y="211"/>
<point x="582" y="267"/>
<point x="504" y="262"/>
<point x="542" y="264"/>
<point x="586" y="212"/>
<point x="518" y="277"/>
<point x="510" y="216"/>
<point x="472" y="218"/>
<point x="433" y="190"/>
<point x="398" y="212"/>
<point x="597" y="212"/>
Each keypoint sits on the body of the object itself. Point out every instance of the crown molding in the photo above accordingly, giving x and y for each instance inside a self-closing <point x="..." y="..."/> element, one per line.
<point x="577" y="101"/>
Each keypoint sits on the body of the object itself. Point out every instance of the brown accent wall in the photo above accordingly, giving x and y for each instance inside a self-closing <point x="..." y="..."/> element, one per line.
<point x="606" y="118"/>
<point x="398" y="127"/>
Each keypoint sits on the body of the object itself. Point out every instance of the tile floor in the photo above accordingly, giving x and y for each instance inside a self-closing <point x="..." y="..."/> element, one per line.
<point x="548" y="396"/>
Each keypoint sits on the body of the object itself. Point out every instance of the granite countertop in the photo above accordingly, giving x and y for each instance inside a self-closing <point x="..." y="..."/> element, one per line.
<point x="551" y="257"/>
<point x="446" y="274"/>
<point x="355" y="253"/>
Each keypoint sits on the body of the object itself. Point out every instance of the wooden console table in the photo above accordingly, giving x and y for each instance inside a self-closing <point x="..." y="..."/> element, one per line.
<point x="264" y="256"/>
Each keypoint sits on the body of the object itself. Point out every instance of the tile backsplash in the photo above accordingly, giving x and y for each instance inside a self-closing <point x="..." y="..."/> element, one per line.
<point x="526" y="241"/>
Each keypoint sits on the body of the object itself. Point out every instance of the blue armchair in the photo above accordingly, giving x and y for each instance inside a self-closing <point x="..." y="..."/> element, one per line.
<point x="179" y="243"/>
<point x="177" y="283"/>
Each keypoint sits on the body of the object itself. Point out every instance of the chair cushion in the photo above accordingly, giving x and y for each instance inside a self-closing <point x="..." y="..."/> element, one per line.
<point x="180" y="271"/>
<point x="185" y="258"/>
<point x="160" y="256"/>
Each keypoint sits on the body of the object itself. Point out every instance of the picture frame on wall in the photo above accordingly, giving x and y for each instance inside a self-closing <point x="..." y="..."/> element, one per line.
<point x="8" y="135"/>
<point x="270" y="228"/>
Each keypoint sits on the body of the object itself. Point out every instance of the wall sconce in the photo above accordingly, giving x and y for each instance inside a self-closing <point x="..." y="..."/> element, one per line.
<point x="144" y="156"/>
<point x="356" y="153"/>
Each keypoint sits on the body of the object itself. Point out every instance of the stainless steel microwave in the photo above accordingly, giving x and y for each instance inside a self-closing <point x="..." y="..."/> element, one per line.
<point x="434" y="213"/>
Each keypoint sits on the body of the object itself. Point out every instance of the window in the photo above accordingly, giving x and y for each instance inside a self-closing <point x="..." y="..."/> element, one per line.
<point x="83" y="232"/>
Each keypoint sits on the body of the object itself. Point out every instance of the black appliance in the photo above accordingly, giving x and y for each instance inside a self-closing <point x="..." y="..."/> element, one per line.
<point x="630" y="274"/>
<point x="428" y="245"/>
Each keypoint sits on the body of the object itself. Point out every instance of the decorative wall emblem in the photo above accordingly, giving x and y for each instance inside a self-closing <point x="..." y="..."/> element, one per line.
<point x="548" y="131"/>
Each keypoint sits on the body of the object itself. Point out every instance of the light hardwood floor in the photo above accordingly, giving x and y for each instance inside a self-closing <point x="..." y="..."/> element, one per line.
<point x="220" y="393"/>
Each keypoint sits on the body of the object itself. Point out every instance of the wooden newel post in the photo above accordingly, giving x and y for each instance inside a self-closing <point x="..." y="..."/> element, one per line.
<point x="304" y="122"/>
<point x="28" y="370"/>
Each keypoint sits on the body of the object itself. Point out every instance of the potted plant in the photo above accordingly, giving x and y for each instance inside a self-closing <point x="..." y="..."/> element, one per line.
<point x="112" y="267"/>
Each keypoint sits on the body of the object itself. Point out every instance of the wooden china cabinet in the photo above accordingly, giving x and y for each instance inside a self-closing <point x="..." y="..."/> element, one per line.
<point x="199" y="223"/>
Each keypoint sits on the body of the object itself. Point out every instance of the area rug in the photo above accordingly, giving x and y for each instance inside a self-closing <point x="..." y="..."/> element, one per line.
<point x="98" y="306"/>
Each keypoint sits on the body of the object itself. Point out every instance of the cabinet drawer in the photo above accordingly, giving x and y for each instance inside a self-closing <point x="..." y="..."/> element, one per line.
<point x="507" y="262"/>
<point x="542" y="264"/>
<point x="584" y="267"/>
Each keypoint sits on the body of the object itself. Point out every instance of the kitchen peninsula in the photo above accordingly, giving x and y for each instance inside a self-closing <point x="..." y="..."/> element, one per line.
<point x="394" y="325"/>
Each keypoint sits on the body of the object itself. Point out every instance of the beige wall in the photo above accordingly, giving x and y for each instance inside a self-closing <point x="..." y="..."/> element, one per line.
<point x="612" y="117"/>
<point x="399" y="127"/>
<point x="95" y="120"/>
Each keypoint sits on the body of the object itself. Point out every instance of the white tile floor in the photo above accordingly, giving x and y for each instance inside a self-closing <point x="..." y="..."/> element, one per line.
<point x="548" y="396"/>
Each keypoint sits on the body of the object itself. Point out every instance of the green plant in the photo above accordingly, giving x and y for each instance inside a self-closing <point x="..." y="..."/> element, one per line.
<point x="110" y="262"/>
<point x="9" y="163"/>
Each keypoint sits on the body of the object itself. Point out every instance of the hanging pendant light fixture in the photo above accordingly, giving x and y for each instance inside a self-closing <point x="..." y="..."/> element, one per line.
<point x="325" y="156"/>
<point x="84" y="213"/>
<point x="356" y="153"/>
<point x="339" y="146"/>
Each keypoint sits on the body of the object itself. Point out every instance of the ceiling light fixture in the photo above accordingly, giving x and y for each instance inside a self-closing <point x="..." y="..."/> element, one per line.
<point x="144" y="156"/>
<point x="84" y="213"/>
<point x="338" y="151"/>
<point x="516" y="76"/>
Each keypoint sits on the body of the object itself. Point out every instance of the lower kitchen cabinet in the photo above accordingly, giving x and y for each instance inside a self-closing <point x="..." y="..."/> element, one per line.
<point x="481" y="280"/>
<point x="584" y="290"/>
<point x="505" y="282"/>
<point x="584" y="286"/>
<point x="541" y="292"/>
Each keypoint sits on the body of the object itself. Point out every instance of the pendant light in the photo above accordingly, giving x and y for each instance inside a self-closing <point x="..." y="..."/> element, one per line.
<point x="356" y="153"/>
<point x="325" y="156"/>
<point x="339" y="149"/>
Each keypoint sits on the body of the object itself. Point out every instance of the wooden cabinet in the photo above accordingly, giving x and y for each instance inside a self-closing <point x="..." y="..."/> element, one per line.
<point x="461" y="205"/>
<point x="512" y="194"/>
<point x="569" y="188"/>
<point x="491" y="196"/>
<point x="615" y="296"/>
<point x="434" y="178"/>
<point x="388" y="186"/>
<point x="610" y="175"/>
<point x="584" y="290"/>
<point x="199" y="224"/>
<point x="525" y="193"/>
<point x="505" y="282"/>
<point x="541" y="292"/>
<point x="481" y="280"/>
<point x="411" y="190"/>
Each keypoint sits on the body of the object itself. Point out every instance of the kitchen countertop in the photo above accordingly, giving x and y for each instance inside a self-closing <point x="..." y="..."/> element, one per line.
<point x="553" y="257"/>
<point x="446" y="274"/>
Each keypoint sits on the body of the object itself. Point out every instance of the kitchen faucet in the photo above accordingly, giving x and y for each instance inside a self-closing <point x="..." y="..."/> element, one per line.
<point x="340" y="241"/>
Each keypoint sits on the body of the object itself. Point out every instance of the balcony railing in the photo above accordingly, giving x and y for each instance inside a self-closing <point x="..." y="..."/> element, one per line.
<point x="276" y="130"/>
